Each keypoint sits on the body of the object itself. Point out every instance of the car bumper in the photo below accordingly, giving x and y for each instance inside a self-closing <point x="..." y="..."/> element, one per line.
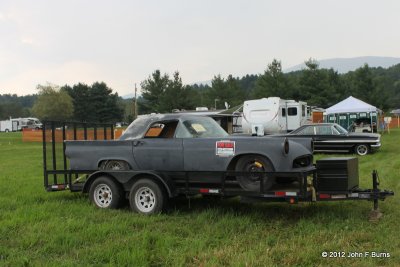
<point x="376" y="146"/>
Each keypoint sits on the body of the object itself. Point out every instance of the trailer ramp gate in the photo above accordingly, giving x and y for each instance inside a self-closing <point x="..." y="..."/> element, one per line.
<point x="57" y="175"/>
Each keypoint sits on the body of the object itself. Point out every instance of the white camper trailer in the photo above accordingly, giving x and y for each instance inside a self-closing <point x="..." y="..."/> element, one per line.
<point x="8" y="126"/>
<point x="273" y="115"/>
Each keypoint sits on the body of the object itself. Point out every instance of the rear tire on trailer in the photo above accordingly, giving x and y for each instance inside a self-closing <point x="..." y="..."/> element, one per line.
<point x="105" y="193"/>
<point x="252" y="164"/>
<point x="147" y="197"/>
<point x="362" y="149"/>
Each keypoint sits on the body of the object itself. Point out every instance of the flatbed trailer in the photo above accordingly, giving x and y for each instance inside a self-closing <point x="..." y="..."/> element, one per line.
<point x="306" y="186"/>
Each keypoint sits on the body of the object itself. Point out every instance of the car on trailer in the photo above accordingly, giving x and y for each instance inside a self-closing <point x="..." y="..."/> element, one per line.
<point x="163" y="156"/>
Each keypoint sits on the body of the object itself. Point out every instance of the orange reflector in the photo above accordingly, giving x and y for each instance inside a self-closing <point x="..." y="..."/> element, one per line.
<point x="324" y="196"/>
<point x="292" y="201"/>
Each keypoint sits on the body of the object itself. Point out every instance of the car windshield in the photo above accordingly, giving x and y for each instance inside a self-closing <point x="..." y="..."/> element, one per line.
<point x="200" y="127"/>
<point x="340" y="129"/>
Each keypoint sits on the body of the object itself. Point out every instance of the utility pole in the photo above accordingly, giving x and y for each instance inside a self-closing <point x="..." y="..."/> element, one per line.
<point x="135" y="104"/>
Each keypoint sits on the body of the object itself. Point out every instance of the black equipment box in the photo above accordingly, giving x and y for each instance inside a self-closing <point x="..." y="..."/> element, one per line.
<point x="337" y="174"/>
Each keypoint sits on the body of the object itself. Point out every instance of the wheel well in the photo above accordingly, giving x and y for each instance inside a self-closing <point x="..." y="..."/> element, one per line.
<point x="361" y="144"/>
<point x="232" y="164"/>
<point x="107" y="160"/>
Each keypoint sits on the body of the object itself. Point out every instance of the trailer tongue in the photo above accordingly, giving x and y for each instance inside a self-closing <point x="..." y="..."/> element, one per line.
<point x="332" y="179"/>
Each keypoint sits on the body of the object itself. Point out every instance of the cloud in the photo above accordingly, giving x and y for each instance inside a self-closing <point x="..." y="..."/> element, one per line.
<point x="68" y="73"/>
<point x="29" y="41"/>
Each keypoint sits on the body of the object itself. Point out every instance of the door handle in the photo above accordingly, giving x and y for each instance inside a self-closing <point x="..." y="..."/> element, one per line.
<point x="137" y="143"/>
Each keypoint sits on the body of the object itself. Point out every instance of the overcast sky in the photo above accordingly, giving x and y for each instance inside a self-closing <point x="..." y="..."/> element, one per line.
<point x="123" y="42"/>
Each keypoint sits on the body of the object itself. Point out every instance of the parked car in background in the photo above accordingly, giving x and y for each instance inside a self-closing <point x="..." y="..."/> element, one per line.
<point x="333" y="138"/>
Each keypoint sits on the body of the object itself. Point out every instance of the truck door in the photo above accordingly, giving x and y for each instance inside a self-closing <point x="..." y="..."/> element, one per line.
<point x="159" y="149"/>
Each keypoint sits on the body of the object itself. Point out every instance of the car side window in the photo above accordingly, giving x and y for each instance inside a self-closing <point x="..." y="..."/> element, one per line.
<point x="324" y="130"/>
<point x="182" y="132"/>
<point x="307" y="131"/>
<point x="334" y="131"/>
<point x="162" y="130"/>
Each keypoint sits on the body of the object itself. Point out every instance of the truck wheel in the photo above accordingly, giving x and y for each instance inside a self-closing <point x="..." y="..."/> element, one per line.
<point x="362" y="149"/>
<point x="252" y="164"/>
<point x="114" y="165"/>
<point x="6" y="130"/>
<point x="147" y="197"/>
<point x="105" y="193"/>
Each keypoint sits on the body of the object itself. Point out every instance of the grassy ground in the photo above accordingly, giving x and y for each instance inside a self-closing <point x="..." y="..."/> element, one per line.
<point x="62" y="228"/>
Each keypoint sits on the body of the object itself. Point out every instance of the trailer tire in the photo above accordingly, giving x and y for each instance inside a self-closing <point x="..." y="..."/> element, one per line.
<point x="105" y="193"/>
<point x="147" y="197"/>
<point x="251" y="164"/>
<point x="362" y="149"/>
<point x="6" y="131"/>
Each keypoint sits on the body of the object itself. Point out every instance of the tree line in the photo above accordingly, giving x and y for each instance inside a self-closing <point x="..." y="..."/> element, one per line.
<point x="318" y="87"/>
<point x="163" y="93"/>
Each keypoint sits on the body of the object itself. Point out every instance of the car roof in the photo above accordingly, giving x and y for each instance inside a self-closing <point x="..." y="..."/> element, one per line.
<point x="168" y="116"/>
<point x="320" y="124"/>
<point x="140" y="125"/>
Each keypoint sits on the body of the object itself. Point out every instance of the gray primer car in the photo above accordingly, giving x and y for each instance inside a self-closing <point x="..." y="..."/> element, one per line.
<point x="178" y="149"/>
<point x="185" y="143"/>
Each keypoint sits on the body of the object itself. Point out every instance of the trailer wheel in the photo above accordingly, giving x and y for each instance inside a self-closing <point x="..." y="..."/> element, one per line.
<point x="252" y="164"/>
<point x="147" y="197"/>
<point x="6" y="130"/>
<point x="362" y="149"/>
<point x="105" y="193"/>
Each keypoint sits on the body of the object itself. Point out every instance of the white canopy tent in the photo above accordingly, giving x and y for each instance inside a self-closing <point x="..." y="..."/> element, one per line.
<point x="351" y="105"/>
<point x="351" y="108"/>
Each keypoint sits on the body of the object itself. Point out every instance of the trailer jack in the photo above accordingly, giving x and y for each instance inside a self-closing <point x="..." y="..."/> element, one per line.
<point x="375" y="213"/>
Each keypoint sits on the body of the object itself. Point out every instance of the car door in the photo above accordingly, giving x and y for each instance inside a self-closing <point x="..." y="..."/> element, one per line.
<point x="159" y="149"/>
<point x="328" y="139"/>
<point x="202" y="160"/>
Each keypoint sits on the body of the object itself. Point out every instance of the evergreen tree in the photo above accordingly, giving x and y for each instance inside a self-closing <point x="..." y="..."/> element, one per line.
<point x="152" y="90"/>
<point x="272" y="82"/>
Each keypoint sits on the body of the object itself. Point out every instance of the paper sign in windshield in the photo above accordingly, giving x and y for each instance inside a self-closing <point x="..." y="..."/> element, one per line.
<point x="225" y="148"/>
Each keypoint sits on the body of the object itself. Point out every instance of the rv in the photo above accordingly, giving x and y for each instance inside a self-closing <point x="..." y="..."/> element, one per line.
<point x="273" y="115"/>
<point x="30" y="123"/>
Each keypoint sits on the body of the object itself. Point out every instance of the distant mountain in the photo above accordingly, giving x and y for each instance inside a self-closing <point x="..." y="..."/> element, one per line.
<point x="343" y="65"/>
<point x="128" y="96"/>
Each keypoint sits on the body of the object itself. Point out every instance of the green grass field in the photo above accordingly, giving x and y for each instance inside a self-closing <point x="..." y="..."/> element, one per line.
<point x="62" y="228"/>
